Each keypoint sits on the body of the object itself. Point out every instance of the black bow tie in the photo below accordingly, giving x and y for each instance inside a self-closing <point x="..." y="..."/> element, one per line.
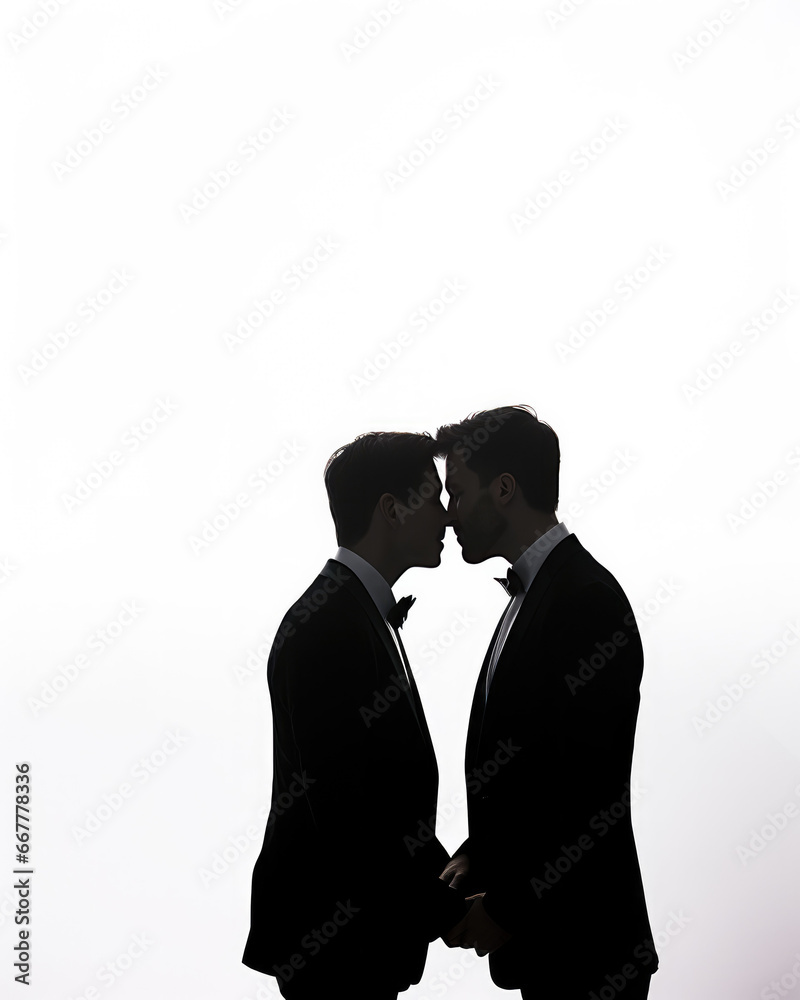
<point x="397" y="615"/>
<point x="511" y="583"/>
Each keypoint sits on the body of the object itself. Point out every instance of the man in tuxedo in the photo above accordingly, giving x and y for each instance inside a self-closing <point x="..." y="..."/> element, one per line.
<point x="561" y="910"/>
<point x="346" y="893"/>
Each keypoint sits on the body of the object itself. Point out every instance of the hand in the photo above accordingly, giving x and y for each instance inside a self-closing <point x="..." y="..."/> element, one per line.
<point x="456" y="871"/>
<point x="477" y="930"/>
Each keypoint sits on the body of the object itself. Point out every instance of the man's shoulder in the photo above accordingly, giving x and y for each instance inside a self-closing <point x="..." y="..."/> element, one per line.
<point x="579" y="570"/>
<point x="334" y="587"/>
<point x="331" y="605"/>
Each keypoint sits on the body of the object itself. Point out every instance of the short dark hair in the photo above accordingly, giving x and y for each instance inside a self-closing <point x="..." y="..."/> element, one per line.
<point x="508" y="439"/>
<point x="358" y="474"/>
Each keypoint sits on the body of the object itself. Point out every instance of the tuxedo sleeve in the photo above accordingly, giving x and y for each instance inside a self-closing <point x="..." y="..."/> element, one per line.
<point x="471" y="883"/>
<point x="463" y="849"/>
<point x="328" y="682"/>
<point x="567" y="779"/>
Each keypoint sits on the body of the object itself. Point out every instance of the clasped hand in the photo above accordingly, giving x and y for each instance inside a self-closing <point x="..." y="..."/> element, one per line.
<point x="477" y="929"/>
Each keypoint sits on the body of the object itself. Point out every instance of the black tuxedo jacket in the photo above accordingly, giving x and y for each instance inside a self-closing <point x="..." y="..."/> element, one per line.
<point x="346" y="884"/>
<point x="548" y="765"/>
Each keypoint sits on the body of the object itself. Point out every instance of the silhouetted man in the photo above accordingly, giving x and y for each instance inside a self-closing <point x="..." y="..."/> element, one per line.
<point x="346" y="891"/>
<point x="550" y="739"/>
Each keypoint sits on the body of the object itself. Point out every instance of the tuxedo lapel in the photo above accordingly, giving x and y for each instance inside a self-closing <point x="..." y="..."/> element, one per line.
<point x="416" y="703"/>
<point x="525" y="617"/>
<point x="476" y="712"/>
<point x="533" y="598"/>
<point x="345" y="577"/>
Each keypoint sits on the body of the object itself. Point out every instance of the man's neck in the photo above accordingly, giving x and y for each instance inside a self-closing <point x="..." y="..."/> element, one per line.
<point x="522" y="536"/>
<point x="382" y="561"/>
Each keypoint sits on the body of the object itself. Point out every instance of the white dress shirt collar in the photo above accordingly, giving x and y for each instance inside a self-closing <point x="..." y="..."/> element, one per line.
<point x="530" y="562"/>
<point x="376" y="585"/>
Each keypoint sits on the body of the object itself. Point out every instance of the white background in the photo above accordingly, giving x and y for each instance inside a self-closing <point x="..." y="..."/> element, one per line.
<point x="700" y="168"/>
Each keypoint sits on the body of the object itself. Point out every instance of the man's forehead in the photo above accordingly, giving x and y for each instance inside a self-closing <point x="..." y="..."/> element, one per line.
<point x="453" y="470"/>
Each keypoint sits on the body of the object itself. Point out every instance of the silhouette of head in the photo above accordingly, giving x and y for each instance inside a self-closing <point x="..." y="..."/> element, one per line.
<point x="500" y="464"/>
<point x="384" y="487"/>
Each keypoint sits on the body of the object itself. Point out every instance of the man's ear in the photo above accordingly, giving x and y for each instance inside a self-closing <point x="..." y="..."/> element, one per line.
<point x="394" y="513"/>
<point x="507" y="487"/>
<point x="387" y="509"/>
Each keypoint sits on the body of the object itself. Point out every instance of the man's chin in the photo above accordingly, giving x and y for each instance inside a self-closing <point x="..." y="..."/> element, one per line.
<point x="471" y="557"/>
<point x="431" y="563"/>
